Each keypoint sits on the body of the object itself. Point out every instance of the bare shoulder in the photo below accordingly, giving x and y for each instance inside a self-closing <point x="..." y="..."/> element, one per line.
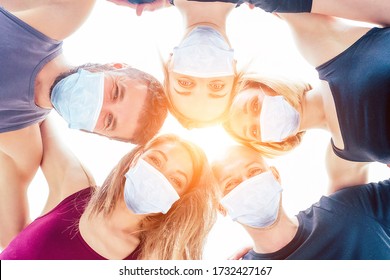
<point x="57" y="13"/>
<point x="343" y="173"/>
<point x="22" y="146"/>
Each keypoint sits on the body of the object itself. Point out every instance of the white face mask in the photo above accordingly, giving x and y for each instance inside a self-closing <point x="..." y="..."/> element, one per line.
<point x="203" y="53"/>
<point x="278" y="119"/>
<point x="254" y="202"/>
<point x="78" y="98"/>
<point x="147" y="190"/>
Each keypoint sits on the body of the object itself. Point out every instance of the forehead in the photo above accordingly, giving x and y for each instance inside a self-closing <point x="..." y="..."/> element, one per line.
<point x="237" y="159"/>
<point x="244" y="95"/>
<point x="174" y="151"/>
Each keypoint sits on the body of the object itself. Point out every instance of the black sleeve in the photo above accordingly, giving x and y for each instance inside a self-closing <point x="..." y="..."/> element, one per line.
<point x="283" y="6"/>
<point x="373" y="199"/>
<point x="271" y="6"/>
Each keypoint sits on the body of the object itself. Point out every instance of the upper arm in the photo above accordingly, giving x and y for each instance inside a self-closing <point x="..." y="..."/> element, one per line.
<point x="375" y="11"/>
<point x="62" y="169"/>
<point x="57" y="19"/>
<point x="343" y="173"/>
<point x="320" y="38"/>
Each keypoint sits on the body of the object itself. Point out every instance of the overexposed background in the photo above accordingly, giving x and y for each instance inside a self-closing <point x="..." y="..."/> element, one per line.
<point x="116" y="34"/>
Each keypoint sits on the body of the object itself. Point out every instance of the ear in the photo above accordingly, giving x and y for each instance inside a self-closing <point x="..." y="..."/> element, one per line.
<point x="275" y="172"/>
<point x="222" y="210"/>
<point x="235" y="65"/>
<point x="169" y="63"/>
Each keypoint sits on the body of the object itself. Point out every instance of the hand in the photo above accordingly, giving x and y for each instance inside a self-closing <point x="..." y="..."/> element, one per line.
<point x="240" y="253"/>
<point x="139" y="8"/>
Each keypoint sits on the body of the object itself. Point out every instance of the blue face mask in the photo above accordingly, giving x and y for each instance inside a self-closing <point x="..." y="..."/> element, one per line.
<point x="78" y="98"/>
<point x="203" y="53"/>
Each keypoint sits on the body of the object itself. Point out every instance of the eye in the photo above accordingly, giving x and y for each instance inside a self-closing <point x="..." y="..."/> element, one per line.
<point x="254" y="131"/>
<point x="176" y="182"/>
<point x="254" y="171"/>
<point x="155" y="161"/>
<point x="216" y="86"/>
<point x="230" y="185"/>
<point x="255" y="108"/>
<point x="185" y="83"/>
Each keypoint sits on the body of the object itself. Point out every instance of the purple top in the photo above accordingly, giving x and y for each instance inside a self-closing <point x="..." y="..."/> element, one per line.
<point x="56" y="235"/>
<point x="23" y="53"/>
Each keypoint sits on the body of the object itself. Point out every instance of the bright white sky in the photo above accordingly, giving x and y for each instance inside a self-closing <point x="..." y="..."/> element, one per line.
<point x="116" y="34"/>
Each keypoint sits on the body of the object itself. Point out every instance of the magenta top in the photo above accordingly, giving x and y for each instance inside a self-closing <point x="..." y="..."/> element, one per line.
<point x="56" y="235"/>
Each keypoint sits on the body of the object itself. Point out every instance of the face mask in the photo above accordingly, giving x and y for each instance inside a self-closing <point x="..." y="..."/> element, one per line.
<point x="147" y="190"/>
<point x="278" y="119"/>
<point x="254" y="202"/>
<point x="203" y="53"/>
<point x="78" y="98"/>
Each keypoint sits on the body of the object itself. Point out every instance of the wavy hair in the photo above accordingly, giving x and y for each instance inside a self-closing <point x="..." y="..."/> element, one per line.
<point x="293" y="91"/>
<point x="181" y="232"/>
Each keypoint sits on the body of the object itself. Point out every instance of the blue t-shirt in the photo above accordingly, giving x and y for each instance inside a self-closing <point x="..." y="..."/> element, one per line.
<point x="359" y="79"/>
<point x="351" y="224"/>
<point x="23" y="53"/>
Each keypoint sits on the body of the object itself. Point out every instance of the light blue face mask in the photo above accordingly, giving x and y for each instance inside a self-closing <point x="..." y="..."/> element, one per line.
<point x="78" y="98"/>
<point x="203" y="53"/>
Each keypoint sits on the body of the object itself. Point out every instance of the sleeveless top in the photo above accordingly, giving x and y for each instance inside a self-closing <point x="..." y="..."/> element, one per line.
<point x="56" y="235"/>
<point x="23" y="53"/>
<point x="359" y="79"/>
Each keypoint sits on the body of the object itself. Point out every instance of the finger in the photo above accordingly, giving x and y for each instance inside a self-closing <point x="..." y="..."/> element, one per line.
<point x="139" y="9"/>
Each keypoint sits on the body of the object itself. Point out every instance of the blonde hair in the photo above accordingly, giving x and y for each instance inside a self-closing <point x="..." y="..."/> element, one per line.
<point x="292" y="91"/>
<point x="190" y="123"/>
<point x="182" y="231"/>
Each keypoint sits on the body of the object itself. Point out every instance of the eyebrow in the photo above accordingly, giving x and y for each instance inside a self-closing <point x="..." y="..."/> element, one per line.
<point x="113" y="124"/>
<point x="162" y="154"/>
<point x="187" y="93"/>
<point x="184" y="175"/>
<point x="213" y="95"/>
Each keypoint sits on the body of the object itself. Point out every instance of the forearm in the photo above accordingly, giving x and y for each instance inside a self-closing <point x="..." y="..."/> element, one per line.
<point x="373" y="11"/>
<point x="283" y="6"/>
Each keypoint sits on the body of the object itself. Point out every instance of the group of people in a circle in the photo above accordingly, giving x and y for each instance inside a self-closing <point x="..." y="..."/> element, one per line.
<point x="162" y="198"/>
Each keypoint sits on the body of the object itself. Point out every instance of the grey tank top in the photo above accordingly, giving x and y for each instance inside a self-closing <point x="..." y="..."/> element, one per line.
<point x="23" y="53"/>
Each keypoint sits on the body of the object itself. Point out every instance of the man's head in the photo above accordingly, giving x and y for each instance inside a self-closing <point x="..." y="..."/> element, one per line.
<point x="239" y="163"/>
<point x="113" y="100"/>
<point x="251" y="189"/>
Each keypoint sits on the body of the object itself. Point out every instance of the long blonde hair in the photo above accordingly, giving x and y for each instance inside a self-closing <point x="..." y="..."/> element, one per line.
<point x="293" y="92"/>
<point x="182" y="231"/>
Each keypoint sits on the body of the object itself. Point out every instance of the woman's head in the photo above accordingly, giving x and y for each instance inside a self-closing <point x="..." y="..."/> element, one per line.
<point x="200" y="78"/>
<point x="265" y="114"/>
<point x="180" y="233"/>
